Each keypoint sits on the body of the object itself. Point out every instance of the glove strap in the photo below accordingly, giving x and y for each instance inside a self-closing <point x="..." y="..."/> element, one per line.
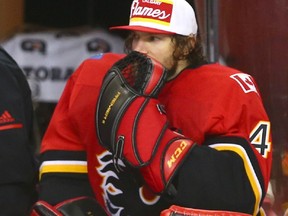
<point x="171" y="153"/>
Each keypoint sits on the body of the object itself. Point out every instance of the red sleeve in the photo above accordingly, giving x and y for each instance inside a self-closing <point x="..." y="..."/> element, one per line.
<point x="71" y="136"/>
<point x="61" y="133"/>
<point x="72" y="124"/>
<point x="212" y="103"/>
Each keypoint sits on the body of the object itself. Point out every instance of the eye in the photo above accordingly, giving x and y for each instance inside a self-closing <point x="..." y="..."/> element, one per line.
<point x="153" y="38"/>
<point x="134" y="37"/>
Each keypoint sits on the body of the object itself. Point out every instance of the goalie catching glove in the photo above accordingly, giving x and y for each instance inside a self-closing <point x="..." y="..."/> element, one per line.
<point x="131" y="123"/>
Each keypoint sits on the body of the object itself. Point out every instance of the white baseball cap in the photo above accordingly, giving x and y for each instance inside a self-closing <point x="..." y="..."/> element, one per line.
<point x="162" y="16"/>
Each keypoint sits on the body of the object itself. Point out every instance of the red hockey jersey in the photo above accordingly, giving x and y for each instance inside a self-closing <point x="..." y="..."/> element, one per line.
<point x="216" y="106"/>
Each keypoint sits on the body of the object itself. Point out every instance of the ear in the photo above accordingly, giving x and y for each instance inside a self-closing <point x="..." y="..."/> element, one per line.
<point x="191" y="41"/>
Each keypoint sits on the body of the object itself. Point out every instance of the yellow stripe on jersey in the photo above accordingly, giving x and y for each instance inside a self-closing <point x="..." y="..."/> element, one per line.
<point x="262" y="212"/>
<point x="248" y="167"/>
<point x="63" y="167"/>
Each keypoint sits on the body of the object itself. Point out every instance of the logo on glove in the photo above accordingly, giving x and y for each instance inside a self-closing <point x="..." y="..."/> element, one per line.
<point x="113" y="101"/>
<point x="178" y="152"/>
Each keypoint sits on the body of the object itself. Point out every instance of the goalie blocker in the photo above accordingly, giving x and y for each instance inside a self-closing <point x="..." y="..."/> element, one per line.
<point x="132" y="124"/>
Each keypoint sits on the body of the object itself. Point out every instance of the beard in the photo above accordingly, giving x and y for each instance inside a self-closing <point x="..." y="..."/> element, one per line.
<point x="171" y="72"/>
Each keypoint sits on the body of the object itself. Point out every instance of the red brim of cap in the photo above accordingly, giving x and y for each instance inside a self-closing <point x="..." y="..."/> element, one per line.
<point x="141" y="29"/>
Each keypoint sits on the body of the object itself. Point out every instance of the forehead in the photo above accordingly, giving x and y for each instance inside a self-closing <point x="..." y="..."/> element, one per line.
<point x="148" y="34"/>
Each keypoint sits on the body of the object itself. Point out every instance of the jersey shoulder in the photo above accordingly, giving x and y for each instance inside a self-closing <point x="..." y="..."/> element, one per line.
<point x="95" y="67"/>
<point x="213" y="79"/>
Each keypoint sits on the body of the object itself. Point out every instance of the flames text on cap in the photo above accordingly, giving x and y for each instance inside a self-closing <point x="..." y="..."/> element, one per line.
<point x="148" y="10"/>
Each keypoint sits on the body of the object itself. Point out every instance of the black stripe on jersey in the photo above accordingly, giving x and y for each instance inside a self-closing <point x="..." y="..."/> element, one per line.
<point x="63" y="155"/>
<point x="220" y="177"/>
<point x="63" y="163"/>
<point x="247" y="146"/>
<point x="68" y="184"/>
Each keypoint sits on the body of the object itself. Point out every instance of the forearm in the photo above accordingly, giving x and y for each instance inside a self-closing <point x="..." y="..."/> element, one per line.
<point x="64" y="188"/>
<point x="63" y="175"/>
<point x="220" y="179"/>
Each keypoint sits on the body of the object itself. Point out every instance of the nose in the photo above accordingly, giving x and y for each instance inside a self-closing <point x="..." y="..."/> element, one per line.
<point x="140" y="46"/>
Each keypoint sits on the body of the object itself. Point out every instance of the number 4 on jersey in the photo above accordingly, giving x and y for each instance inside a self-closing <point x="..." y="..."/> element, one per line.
<point x="260" y="137"/>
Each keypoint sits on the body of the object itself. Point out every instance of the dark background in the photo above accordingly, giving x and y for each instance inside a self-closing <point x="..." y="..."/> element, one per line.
<point x="71" y="13"/>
